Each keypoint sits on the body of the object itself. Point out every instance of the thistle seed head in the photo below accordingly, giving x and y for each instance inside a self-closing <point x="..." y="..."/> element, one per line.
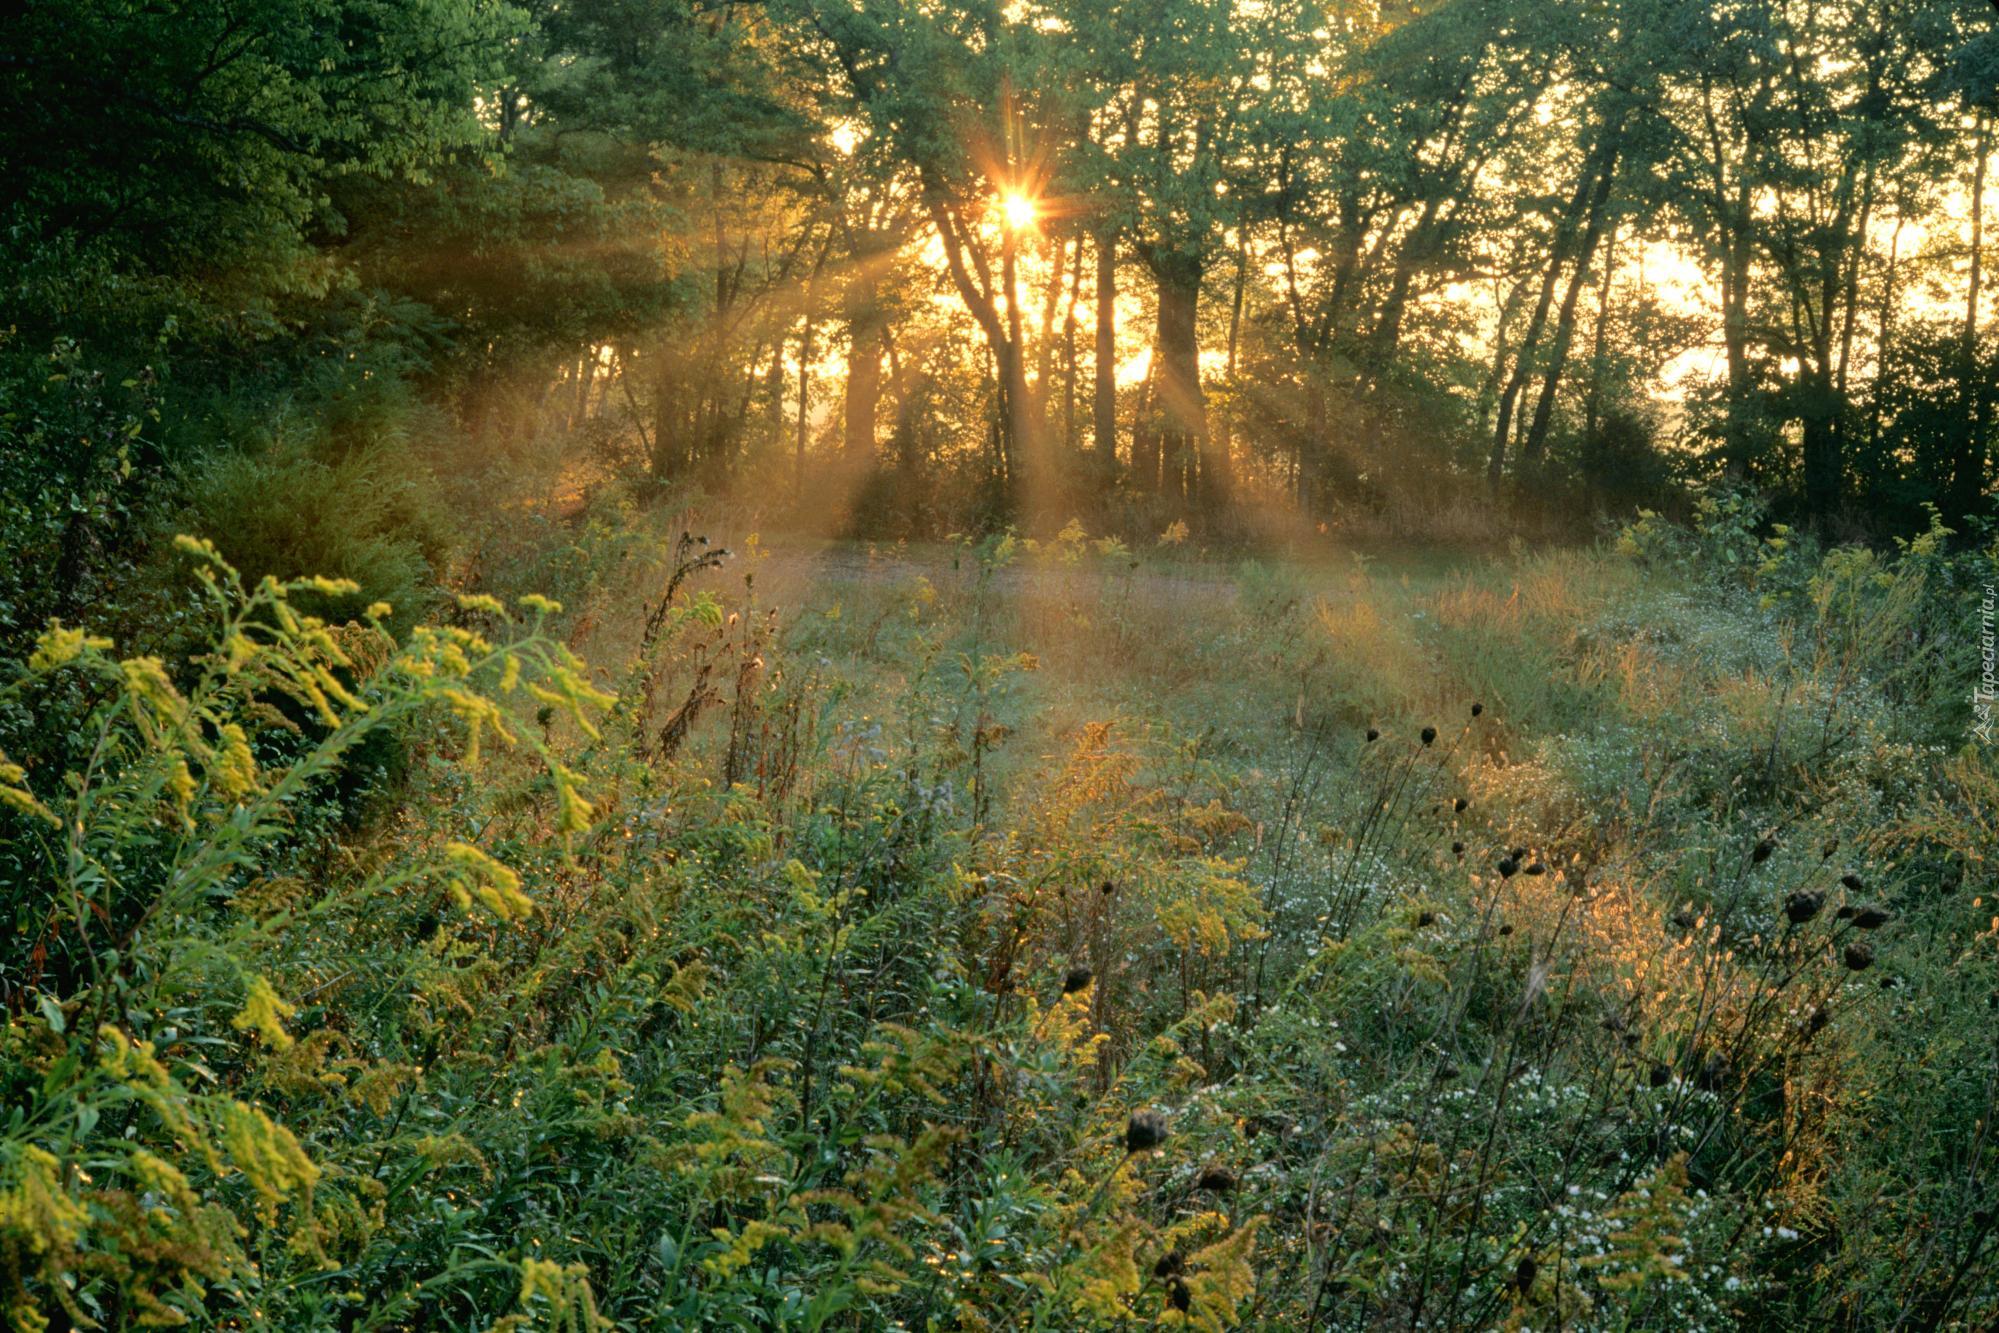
<point x="1144" y="1131"/>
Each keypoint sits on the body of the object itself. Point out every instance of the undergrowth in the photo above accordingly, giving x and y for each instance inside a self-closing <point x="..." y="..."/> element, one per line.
<point x="1013" y="935"/>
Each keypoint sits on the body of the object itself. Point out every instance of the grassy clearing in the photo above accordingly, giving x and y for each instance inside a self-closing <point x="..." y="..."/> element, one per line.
<point x="1494" y="943"/>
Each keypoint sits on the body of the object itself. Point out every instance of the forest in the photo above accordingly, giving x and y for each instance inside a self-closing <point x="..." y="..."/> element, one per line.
<point x="1020" y="664"/>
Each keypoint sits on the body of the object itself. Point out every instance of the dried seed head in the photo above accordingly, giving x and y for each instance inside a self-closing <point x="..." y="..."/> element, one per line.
<point x="1761" y="851"/>
<point x="1457" y="849"/>
<point x="1144" y="1131"/>
<point x="1429" y="735"/>
<point x="1107" y="888"/>
<point x="1659" y="1076"/>
<point x="1216" y="1180"/>
<point x="1859" y="956"/>
<point x="1476" y="709"/>
<point x="1178" y="1296"/>
<point x="1460" y="804"/>
<point x="1536" y="868"/>
<point x="1845" y="913"/>
<point x="1506" y="929"/>
<point x="1509" y="867"/>
<point x="1853" y="882"/>
<point x="1524" y="1274"/>
<point x="1171" y="1264"/>
<point x="1075" y="979"/>
<point x="1373" y="735"/>
<point x="1425" y="919"/>
<point x="1872" y="916"/>
<point x="1803" y="905"/>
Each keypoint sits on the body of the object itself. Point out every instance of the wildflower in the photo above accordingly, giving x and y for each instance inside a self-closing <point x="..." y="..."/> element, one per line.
<point x="58" y="647"/>
<point x="1144" y="1131"/>
<point x="1170" y="1264"/>
<point x="1871" y="917"/>
<point x="1803" y="905"/>
<point x="1761" y="851"/>
<point x="1429" y="735"/>
<point x="1075" y="979"/>
<point x="1859" y="956"/>
<point x="1216" y="1180"/>
<point x="1476" y="709"/>
<point x="1853" y="882"/>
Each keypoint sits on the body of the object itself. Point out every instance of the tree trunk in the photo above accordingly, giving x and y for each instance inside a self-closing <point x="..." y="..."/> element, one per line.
<point x="1967" y="480"/>
<point x="1523" y="360"/>
<point x="864" y="371"/>
<point x="1103" y="405"/>
<point x="1177" y="355"/>
<point x="1536" y="441"/>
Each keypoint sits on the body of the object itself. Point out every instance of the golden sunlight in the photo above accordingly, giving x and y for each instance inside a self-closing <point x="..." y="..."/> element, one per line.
<point x="1018" y="210"/>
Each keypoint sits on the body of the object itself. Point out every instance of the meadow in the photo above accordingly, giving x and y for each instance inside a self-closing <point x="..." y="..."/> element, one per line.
<point x="1044" y="934"/>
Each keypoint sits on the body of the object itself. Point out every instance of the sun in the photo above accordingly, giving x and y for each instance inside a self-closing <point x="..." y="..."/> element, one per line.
<point x="1019" y="211"/>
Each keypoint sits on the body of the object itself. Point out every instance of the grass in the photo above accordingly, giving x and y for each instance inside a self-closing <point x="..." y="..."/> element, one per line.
<point x="1502" y="942"/>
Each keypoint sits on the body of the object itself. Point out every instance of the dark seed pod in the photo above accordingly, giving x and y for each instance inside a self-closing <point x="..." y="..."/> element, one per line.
<point x="1859" y="956"/>
<point x="1178" y="1296"/>
<point x="1506" y="930"/>
<point x="1762" y="850"/>
<point x="1509" y="867"/>
<point x="1171" y="1264"/>
<point x="1871" y="917"/>
<point x="1144" y="1131"/>
<point x="1457" y="849"/>
<point x="1831" y="846"/>
<point x="1803" y="905"/>
<point x="1373" y="734"/>
<point x="1429" y="735"/>
<point x="1425" y="919"/>
<point x="1216" y="1180"/>
<point x="1524" y="1274"/>
<point x="1107" y="888"/>
<point x="1816" y="1023"/>
<point x="1659" y="1076"/>
<point x="1075" y="979"/>
<point x="1476" y="709"/>
<point x="1845" y="913"/>
<point x="1854" y="882"/>
<point x="1536" y="868"/>
<point x="1518" y="853"/>
<point x="1460" y="804"/>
